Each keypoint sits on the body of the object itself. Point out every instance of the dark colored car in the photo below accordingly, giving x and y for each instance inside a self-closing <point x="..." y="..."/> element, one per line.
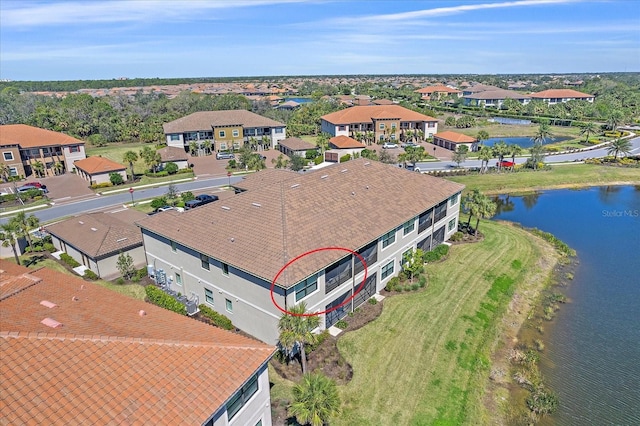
<point x="200" y="200"/>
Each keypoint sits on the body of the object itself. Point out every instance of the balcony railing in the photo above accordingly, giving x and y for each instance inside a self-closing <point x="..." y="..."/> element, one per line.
<point x="369" y="259"/>
<point x="334" y="281"/>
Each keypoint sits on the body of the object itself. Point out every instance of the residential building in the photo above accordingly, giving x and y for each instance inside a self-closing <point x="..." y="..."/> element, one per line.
<point x="95" y="240"/>
<point x="452" y="140"/>
<point x="493" y="98"/>
<point x="98" y="169"/>
<point x="438" y="91"/>
<point x="387" y="122"/>
<point x="172" y="154"/>
<point x="295" y="146"/>
<point x="225" y="129"/>
<point x="74" y="352"/>
<point x="23" y="145"/>
<point x="340" y="146"/>
<point x="556" y="96"/>
<point x="232" y="254"/>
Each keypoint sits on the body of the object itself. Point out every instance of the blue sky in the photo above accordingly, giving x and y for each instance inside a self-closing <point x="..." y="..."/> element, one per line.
<point x="68" y="40"/>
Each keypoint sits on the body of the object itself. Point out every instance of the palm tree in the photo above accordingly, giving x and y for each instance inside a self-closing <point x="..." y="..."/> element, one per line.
<point x="370" y="137"/>
<point x="38" y="168"/>
<point x="206" y="145"/>
<point x="543" y="133"/>
<point x="413" y="154"/>
<point x="130" y="157"/>
<point x="483" y="135"/>
<point x="483" y="208"/>
<point x="470" y="202"/>
<point x="8" y="233"/>
<point x="500" y="150"/>
<point x="315" y="400"/>
<point x="485" y="155"/>
<point x="588" y="129"/>
<point x="151" y="157"/>
<point x="58" y="168"/>
<point x="514" y="150"/>
<point x="193" y="148"/>
<point x="4" y="172"/>
<point x="296" y="331"/>
<point x="323" y="142"/>
<point x="614" y="119"/>
<point x="23" y="224"/>
<point x="537" y="155"/>
<point x="619" y="146"/>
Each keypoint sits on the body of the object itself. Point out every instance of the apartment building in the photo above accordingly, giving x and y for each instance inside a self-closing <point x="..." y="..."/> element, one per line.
<point x="556" y="96"/>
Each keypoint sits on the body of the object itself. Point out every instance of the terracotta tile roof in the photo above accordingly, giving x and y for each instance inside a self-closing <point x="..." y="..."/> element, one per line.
<point x="100" y="235"/>
<point x="366" y="114"/>
<point x="497" y="94"/>
<point x="345" y="205"/>
<point x="296" y="144"/>
<point x="108" y="364"/>
<point x="345" y="142"/>
<point x="383" y="102"/>
<point x="560" y="93"/>
<point x="98" y="165"/>
<point x="437" y="89"/>
<point x="264" y="177"/>
<point x="30" y="137"/>
<point x="454" y="137"/>
<point x="173" y="153"/>
<point x="204" y="120"/>
<point x="14" y="278"/>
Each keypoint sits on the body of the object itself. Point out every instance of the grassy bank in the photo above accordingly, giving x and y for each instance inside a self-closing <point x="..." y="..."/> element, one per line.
<point x="427" y="358"/>
<point x="565" y="176"/>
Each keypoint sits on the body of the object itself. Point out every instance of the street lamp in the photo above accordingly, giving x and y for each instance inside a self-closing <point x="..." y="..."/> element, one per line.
<point x="434" y="152"/>
<point x="229" y="176"/>
<point x="131" y="192"/>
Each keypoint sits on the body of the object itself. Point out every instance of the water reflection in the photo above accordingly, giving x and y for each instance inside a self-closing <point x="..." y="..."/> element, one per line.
<point x="608" y="194"/>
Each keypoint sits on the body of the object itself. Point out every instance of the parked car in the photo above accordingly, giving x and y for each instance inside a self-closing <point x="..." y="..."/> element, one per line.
<point x="505" y="163"/>
<point x="408" y="144"/>
<point x="25" y="188"/>
<point x="390" y="145"/>
<point x="36" y="184"/>
<point x="200" y="200"/>
<point x="225" y="156"/>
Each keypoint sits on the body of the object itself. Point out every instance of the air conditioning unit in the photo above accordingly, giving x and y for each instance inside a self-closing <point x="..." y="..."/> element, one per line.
<point x="192" y="307"/>
<point x="151" y="271"/>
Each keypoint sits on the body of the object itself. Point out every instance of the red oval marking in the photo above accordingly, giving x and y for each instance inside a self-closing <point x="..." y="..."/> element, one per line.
<point x="358" y="290"/>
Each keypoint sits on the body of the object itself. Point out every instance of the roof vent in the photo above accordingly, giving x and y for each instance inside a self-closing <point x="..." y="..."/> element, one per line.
<point x="256" y="204"/>
<point x="94" y="229"/>
<point x="48" y="304"/>
<point x="324" y="176"/>
<point x="74" y="298"/>
<point x="295" y="185"/>
<point x="343" y="170"/>
<point x="367" y="163"/>
<point x="121" y="240"/>
<point x="82" y="287"/>
<point x="50" y="322"/>
<point x="353" y="193"/>
<point x="226" y="208"/>
<point x="142" y="313"/>
<point x="81" y="222"/>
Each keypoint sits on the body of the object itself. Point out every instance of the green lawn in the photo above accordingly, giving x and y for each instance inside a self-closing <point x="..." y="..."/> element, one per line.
<point x="565" y="176"/>
<point x="115" y="152"/>
<point x="500" y="130"/>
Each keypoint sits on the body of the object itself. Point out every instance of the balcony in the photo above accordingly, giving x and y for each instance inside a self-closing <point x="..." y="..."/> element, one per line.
<point x="337" y="274"/>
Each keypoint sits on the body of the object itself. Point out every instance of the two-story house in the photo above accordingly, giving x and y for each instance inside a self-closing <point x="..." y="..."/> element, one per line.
<point x="74" y="352"/>
<point x="224" y="129"/>
<point x="556" y="96"/>
<point x="228" y="254"/>
<point x="22" y="146"/>
<point x="386" y="122"/>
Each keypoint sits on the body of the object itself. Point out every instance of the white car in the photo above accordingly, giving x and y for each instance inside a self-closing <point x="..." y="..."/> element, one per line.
<point x="390" y="145"/>
<point x="2" y="193"/>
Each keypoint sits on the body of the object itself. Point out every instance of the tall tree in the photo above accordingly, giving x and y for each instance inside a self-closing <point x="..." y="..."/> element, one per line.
<point x="130" y="157"/>
<point x="470" y="202"/>
<point x="315" y="400"/>
<point x="619" y="146"/>
<point x="485" y="155"/>
<point x="536" y="156"/>
<point x="297" y="163"/>
<point x="514" y="150"/>
<point x="482" y="135"/>
<point x="151" y="157"/>
<point x="38" y="168"/>
<point x="614" y="119"/>
<point x="500" y="150"/>
<point x="323" y="142"/>
<point x="24" y="224"/>
<point x="460" y="155"/>
<point x="484" y="208"/>
<point x="542" y="134"/>
<point x="296" y="331"/>
<point x="4" y="172"/>
<point x="8" y="236"/>
<point x="589" y="128"/>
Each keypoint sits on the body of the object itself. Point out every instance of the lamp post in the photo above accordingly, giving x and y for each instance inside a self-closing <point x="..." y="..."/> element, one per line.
<point x="131" y="192"/>
<point x="434" y="152"/>
<point x="229" y="176"/>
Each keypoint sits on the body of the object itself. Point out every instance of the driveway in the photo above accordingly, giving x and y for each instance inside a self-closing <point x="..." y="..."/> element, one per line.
<point x="66" y="186"/>
<point x="208" y="166"/>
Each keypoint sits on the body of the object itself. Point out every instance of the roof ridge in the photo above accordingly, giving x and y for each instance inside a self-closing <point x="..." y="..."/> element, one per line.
<point x="141" y="340"/>
<point x="28" y="275"/>
<point x="285" y="252"/>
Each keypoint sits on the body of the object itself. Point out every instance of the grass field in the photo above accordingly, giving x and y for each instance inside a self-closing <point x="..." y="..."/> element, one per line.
<point x="115" y="152"/>
<point x="500" y="130"/>
<point x="426" y="359"/>
<point x="565" y="176"/>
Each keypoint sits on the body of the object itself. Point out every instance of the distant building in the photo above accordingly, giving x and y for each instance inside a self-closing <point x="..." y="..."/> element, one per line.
<point x="452" y="140"/>
<point x="23" y="145"/>
<point x="225" y="129"/>
<point x="295" y="146"/>
<point x="494" y="98"/>
<point x="74" y="352"/>
<point x="172" y="154"/>
<point x="556" y="96"/>
<point x="97" y="170"/>
<point x="438" y="91"/>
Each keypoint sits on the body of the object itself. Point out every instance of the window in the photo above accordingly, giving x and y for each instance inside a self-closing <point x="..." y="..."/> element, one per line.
<point x="243" y="396"/>
<point x="306" y="287"/>
<point x="13" y="171"/>
<point x="381" y="137"/>
<point x="74" y="148"/>
<point x="221" y="133"/>
<point x="406" y="256"/>
<point x="425" y="220"/>
<point x="259" y="423"/>
<point x="453" y="200"/>
<point x="204" y="260"/>
<point x="393" y="136"/>
<point x="174" y="137"/>
<point x="229" y="305"/>
<point x="386" y="270"/>
<point x="431" y="124"/>
<point x="223" y="147"/>
<point x="208" y="295"/>
<point x="178" y="279"/>
<point x="235" y="133"/>
<point x="174" y="246"/>
<point x="381" y="126"/>
<point x="225" y="269"/>
<point x="279" y="129"/>
<point x="393" y="125"/>
<point x="342" y="128"/>
<point x="337" y="274"/>
<point x="409" y="226"/>
<point x="8" y="156"/>
<point x="440" y="211"/>
<point x="388" y="238"/>
<point x="452" y="224"/>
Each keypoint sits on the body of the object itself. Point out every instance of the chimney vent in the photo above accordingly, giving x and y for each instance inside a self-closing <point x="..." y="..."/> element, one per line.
<point x="50" y="322"/>
<point x="48" y="304"/>
<point x="142" y="313"/>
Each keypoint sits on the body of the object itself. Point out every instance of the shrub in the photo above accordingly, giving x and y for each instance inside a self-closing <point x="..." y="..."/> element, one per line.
<point x="115" y="178"/>
<point x="141" y="273"/>
<point x="310" y="154"/>
<point x="542" y="401"/>
<point x="187" y="170"/>
<point x="373" y="301"/>
<point x="320" y="339"/>
<point x="48" y="247"/>
<point x="162" y="299"/>
<point x="422" y="281"/>
<point x="393" y="284"/>
<point x="120" y="281"/>
<point x="345" y="158"/>
<point x="457" y="236"/>
<point x="157" y="174"/>
<point x="217" y="319"/>
<point x="69" y="260"/>
<point x="342" y="324"/>
<point x="158" y="202"/>
<point x="101" y="185"/>
<point x="318" y="160"/>
<point x="171" y="168"/>
<point x="90" y="275"/>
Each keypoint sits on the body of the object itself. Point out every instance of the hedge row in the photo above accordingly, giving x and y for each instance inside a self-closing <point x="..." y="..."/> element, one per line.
<point x="436" y="254"/>
<point x="162" y="299"/>
<point x="69" y="260"/>
<point x="217" y="319"/>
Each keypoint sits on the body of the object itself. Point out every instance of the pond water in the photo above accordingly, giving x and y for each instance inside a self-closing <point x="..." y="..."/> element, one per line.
<point x="592" y="348"/>
<point x="524" y="141"/>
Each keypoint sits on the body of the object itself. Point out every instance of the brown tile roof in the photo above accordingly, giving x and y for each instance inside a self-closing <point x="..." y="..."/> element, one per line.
<point x="98" y="165"/>
<point x="107" y="364"/>
<point x="31" y="137"/>
<point x="296" y="144"/>
<point x="560" y="93"/>
<point x="100" y="235"/>
<point x="366" y="114"/>
<point x="454" y="137"/>
<point x="345" y="205"/>
<point x="497" y="94"/>
<point x="383" y="102"/>
<point x="204" y="120"/>
<point x="14" y="278"/>
<point x="345" y="142"/>
<point x="437" y="89"/>
<point x="173" y="153"/>
<point x="264" y="177"/>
